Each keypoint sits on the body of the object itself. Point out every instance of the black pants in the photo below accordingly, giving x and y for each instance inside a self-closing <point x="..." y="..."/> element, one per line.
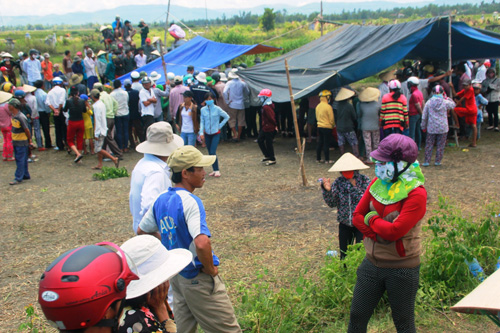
<point x="287" y="119"/>
<point x="146" y="122"/>
<point x="401" y="285"/>
<point x="251" y="120"/>
<point x="60" y="127"/>
<point x="323" y="143"/>
<point x="135" y="126"/>
<point x="265" y="142"/>
<point x="45" y="123"/>
<point x="492" y="109"/>
<point x="347" y="235"/>
<point x="109" y="141"/>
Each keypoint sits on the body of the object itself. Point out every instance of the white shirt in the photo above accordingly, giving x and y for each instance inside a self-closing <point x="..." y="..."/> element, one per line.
<point x="140" y="61"/>
<point x="151" y="177"/>
<point x="90" y="65"/>
<point x="56" y="97"/>
<point x="100" y="125"/>
<point x="144" y="95"/>
<point x="121" y="97"/>
<point x="31" y="101"/>
<point x="481" y="73"/>
<point x="137" y="86"/>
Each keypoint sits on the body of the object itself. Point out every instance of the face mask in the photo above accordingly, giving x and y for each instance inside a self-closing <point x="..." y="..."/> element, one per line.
<point x="439" y="96"/>
<point x="384" y="172"/>
<point x="347" y="174"/>
<point x="209" y="102"/>
<point x="262" y="99"/>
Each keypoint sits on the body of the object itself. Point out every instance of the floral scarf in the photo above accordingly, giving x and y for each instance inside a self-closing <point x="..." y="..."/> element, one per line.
<point x="389" y="193"/>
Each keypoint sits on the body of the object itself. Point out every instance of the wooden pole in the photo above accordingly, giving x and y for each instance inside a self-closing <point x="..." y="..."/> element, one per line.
<point x="300" y="147"/>
<point x="166" y="26"/>
<point x="321" y="18"/>
<point x="449" y="44"/>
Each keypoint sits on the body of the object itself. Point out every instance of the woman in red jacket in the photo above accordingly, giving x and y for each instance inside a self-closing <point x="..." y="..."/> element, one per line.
<point x="389" y="216"/>
<point x="267" y="128"/>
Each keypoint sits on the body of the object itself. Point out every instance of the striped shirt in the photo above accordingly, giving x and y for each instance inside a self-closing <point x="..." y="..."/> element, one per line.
<point x="19" y="124"/>
<point x="393" y="113"/>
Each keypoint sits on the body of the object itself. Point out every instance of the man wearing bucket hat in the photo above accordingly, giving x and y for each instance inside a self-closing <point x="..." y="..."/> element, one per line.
<point x="179" y="217"/>
<point x="200" y="89"/>
<point x="345" y="193"/>
<point x="155" y="267"/>
<point x="368" y="110"/>
<point x="151" y="175"/>
<point x="235" y="93"/>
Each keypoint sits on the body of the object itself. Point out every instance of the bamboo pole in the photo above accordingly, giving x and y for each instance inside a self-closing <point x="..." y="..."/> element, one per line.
<point x="300" y="147"/>
<point x="455" y="135"/>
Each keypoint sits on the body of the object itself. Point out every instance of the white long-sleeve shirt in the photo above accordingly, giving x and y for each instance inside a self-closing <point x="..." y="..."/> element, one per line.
<point x="56" y="97"/>
<point x="100" y="125"/>
<point x="90" y="65"/>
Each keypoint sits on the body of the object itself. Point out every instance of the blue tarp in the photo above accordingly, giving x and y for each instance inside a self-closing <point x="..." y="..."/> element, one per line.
<point x="354" y="52"/>
<point x="201" y="53"/>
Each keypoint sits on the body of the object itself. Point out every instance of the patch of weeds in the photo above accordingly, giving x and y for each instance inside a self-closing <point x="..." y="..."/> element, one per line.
<point x="111" y="173"/>
<point x="32" y="323"/>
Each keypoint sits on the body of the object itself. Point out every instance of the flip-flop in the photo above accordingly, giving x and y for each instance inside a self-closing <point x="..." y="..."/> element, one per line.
<point x="15" y="182"/>
<point x="78" y="159"/>
<point x="117" y="164"/>
<point x="96" y="168"/>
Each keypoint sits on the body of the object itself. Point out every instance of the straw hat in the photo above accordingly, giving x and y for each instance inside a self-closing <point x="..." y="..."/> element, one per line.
<point x="4" y="97"/>
<point x="369" y="95"/>
<point x="101" y="52"/>
<point x="348" y="162"/>
<point x="155" y="39"/>
<point x="102" y="28"/>
<point x="7" y="55"/>
<point x="485" y="297"/>
<point x="75" y="79"/>
<point x="154" y="263"/>
<point x="156" y="53"/>
<point x="28" y="88"/>
<point x="344" y="94"/>
<point x="387" y="76"/>
<point x="160" y="140"/>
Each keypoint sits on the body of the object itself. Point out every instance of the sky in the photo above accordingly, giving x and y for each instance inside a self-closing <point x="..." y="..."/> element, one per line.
<point x="34" y="7"/>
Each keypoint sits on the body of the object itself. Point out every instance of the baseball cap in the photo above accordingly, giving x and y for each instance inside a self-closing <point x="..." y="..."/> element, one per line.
<point x="188" y="156"/>
<point x="17" y="104"/>
<point x="94" y="93"/>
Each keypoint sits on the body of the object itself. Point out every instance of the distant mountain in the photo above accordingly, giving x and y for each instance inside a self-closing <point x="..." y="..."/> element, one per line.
<point x="152" y="13"/>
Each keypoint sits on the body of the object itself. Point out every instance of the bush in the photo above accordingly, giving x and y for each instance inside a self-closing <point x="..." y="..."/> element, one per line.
<point x="111" y="173"/>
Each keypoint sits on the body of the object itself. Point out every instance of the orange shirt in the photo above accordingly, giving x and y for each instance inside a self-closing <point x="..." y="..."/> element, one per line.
<point x="47" y="70"/>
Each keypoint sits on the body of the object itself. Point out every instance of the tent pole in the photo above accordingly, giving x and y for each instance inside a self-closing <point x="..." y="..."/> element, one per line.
<point x="166" y="26"/>
<point x="321" y="23"/>
<point x="164" y="65"/>
<point x="300" y="147"/>
<point x="449" y="44"/>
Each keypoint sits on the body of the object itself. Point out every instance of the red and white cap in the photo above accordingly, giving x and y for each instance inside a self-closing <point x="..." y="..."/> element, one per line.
<point x="394" y="84"/>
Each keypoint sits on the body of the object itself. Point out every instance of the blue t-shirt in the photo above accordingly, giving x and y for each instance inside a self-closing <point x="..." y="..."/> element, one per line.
<point x="180" y="217"/>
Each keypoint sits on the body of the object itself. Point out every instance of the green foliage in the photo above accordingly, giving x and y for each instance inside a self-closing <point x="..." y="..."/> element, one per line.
<point x="322" y="304"/>
<point x="111" y="173"/>
<point x="267" y="19"/>
<point x="33" y="323"/>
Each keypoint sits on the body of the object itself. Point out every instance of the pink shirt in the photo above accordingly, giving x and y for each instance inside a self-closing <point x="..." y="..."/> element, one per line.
<point x="5" y="117"/>
<point x="176" y="98"/>
<point x="415" y="98"/>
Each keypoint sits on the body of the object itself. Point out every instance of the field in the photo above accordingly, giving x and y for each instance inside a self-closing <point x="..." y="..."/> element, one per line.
<point x="262" y="220"/>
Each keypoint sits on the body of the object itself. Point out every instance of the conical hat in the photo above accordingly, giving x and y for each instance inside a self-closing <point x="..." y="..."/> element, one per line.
<point x="348" y="162"/>
<point x="344" y="94"/>
<point x="28" y="88"/>
<point x="387" y="76"/>
<point x="369" y="95"/>
<point x="101" y="52"/>
<point x="485" y="297"/>
<point x="4" y="97"/>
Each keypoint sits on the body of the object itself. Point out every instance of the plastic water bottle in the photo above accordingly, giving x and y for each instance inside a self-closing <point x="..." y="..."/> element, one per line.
<point x="331" y="253"/>
<point x="498" y="264"/>
<point x="476" y="269"/>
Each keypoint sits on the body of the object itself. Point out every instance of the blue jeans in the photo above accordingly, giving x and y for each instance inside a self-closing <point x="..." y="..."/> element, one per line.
<point x="392" y="130"/>
<point x="212" y="141"/>
<point x="121" y="124"/>
<point x="38" y="134"/>
<point x="21" y="154"/>
<point x="415" y="130"/>
<point x="189" y="138"/>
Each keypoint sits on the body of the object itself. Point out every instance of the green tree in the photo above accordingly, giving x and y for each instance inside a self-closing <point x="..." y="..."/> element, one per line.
<point x="267" y="19"/>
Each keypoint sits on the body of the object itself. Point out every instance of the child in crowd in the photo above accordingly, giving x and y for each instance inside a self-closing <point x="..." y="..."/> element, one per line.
<point x="21" y="140"/>
<point x="88" y="134"/>
<point x="345" y="193"/>
<point x="481" y="102"/>
<point x="268" y="127"/>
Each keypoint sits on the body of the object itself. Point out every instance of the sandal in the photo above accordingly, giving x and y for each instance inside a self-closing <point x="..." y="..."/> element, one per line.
<point x="78" y="158"/>
<point x="117" y="163"/>
<point x="211" y="174"/>
<point x="15" y="182"/>
<point x="217" y="174"/>
<point x="96" y="168"/>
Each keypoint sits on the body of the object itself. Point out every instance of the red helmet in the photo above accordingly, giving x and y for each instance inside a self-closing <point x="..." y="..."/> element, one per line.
<point x="77" y="288"/>
<point x="3" y="69"/>
<point x="266" y="92"/>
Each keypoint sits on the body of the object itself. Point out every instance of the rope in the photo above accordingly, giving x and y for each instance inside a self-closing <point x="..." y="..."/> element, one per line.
<point x="286" y="33"/>
<point x="316" y="83"/>
<point x="188" y="28"/>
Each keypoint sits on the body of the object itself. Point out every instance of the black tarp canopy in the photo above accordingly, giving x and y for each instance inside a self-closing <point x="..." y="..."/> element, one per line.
<point x="354" y="52"/>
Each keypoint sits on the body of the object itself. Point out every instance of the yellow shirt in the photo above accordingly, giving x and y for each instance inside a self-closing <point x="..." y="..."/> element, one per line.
<point x="87" y="120"/>
<point x="324" y="115"/>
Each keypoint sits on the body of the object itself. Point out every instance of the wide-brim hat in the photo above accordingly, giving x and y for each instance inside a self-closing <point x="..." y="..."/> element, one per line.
<point x="344" y="94"/>
<point x="28" y="89"/>
<point x="102" y="28"/>
<point x="348" y="162"/>
<point x="485" y="297"/>
<point x="153" y="262"/>
<point x="4" y="97"/>
<point x="76" y="59"/>
<point x="154" y="76"/>
<point x="223" y="77"/>
<point x="7" y="55"/>
<point x="75" y="79"/>
<point x="156" y="53"/>
<point x="395" y="148"/>
<point x="370" y="94"/>
<point x="232" y="74"/>
<point x="202" y="77"/>
<point x="160" y="140"/>
<point x="387" y="76"/>
<point x="100" y="53"/>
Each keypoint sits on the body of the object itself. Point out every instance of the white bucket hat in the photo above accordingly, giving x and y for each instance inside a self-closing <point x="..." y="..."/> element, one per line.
<point x="202" y="77"/>
<point x="154" y="76"/>
<point x="160" y="140"/>
<point x="348" y="162"/>
<point x="135" y="75"/>
<point x="154" y="263"/>
<point x="232" y="74"/>
<point x="223" y="77"/>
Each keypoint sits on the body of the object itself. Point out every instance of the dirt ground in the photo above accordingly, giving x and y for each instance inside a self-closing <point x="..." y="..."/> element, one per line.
<point x="260" y="217"/>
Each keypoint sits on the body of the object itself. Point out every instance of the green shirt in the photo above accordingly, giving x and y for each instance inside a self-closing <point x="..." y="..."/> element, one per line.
<point x="110" y="103"/>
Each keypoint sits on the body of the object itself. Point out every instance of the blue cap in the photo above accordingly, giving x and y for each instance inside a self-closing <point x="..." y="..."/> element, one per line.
<point x="84" y="97"/>
<point x="19" y="93"/>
